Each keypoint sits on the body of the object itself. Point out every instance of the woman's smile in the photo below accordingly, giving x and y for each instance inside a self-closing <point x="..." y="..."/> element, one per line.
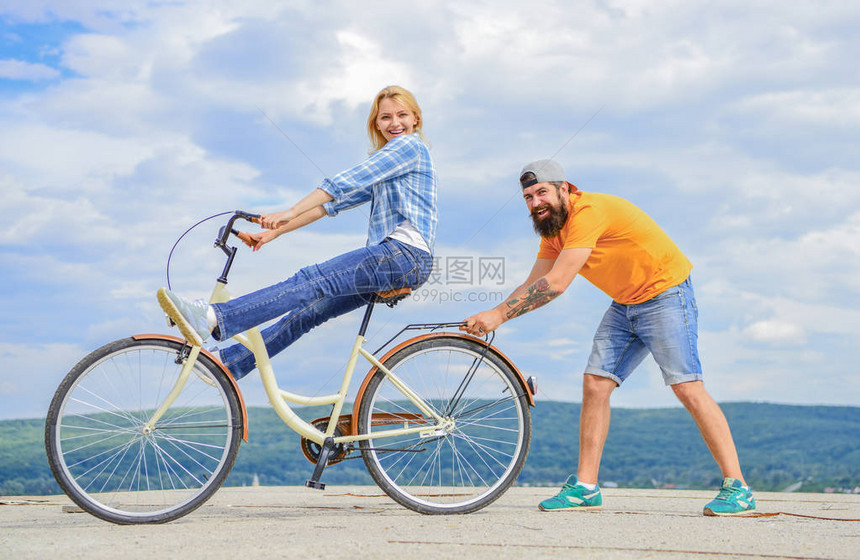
<point x="394" y="119"/>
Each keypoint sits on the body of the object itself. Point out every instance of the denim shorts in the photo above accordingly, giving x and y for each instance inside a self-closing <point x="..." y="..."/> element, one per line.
<point x="665" y="326"/>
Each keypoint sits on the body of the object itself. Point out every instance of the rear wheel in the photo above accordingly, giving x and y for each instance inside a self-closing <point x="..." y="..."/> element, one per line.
<point x="460" y="467"/>
<point x="116" y="467"/>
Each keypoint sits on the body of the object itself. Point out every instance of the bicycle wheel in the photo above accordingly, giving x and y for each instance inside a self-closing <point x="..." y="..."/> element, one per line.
<point x="105" y="458"/>
<point x="469" y="464"/>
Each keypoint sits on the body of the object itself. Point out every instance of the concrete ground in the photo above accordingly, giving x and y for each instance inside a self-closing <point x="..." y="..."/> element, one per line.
<point x="361" y="522"/>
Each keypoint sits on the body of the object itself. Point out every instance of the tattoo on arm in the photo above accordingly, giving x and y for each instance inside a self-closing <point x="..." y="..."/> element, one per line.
<point x="538" y="294"/>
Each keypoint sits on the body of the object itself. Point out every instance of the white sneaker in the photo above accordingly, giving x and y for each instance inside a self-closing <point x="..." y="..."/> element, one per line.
<point x="189" y="316"/>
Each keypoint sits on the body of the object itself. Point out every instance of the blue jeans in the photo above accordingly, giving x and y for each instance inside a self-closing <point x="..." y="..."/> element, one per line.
<point x="665" y="325"/>
<point x="316" y="294"/>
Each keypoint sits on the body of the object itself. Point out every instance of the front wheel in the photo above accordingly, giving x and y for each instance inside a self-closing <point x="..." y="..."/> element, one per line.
<point x="109" y="459"/>
<point x="471" y="458"/>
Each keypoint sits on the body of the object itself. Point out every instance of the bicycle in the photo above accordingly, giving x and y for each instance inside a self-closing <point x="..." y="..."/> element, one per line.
<point x="145" y="429"/>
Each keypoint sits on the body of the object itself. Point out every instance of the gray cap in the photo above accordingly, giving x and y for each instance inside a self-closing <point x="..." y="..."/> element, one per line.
<point x="541" y="171"/>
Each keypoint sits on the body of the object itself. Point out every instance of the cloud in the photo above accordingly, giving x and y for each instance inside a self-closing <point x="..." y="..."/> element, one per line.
<point x="775" y="332"/>
<point x="82" y="160"/>
<point x="809" y="265"/>
<point x="25" y="390"/>
<point x="11" y="69"/>
<point x="827" y="108"/>
<point x="730" y="123"/>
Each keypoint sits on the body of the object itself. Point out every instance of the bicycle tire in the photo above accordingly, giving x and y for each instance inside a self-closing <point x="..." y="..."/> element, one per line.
<point x="461" y="470"/>
<point x="104" y="459"/>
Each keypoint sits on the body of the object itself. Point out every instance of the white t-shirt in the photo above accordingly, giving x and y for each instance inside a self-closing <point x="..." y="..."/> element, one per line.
<point x="405" y="232"/>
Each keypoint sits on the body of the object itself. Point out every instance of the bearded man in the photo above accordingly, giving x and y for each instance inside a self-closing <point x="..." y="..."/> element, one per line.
<point x="622" y="251"/>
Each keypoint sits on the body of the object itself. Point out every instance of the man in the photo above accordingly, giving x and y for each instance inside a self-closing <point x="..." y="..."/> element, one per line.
<point x="622" y="251"/>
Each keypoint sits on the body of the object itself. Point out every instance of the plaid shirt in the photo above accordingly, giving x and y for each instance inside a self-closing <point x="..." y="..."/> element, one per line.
<point x="400" y="183"/>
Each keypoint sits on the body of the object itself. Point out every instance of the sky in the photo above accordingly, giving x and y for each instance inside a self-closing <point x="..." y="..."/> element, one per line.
<point x="735" y="125"/>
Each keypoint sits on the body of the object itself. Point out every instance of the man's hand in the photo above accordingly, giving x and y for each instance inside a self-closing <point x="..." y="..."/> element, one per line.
<point x="277" y="219"/>
<point x="483" y="323"/>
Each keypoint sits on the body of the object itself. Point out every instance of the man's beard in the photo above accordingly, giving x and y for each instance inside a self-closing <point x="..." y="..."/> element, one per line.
<point x="552" y="224"/>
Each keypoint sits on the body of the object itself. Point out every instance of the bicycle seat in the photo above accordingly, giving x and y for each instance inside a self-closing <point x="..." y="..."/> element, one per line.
<point x="391" y="297"/>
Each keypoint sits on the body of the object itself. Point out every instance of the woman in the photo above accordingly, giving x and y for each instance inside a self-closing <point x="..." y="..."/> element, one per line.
<point x="399" y="181"/>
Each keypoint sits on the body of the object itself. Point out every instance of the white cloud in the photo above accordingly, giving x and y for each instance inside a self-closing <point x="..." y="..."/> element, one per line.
<point x="732" y="120"/>
<point x="11" y="69"/>
<point x="81" y="160"/>
<point x="31" y="375"/>
<point x="828" y="107"/>
<point x="102" y="56"/>
<point x="564" y="348"/>
<point x="363" y="65"/>
<point x="738" y="370"/>
<point x="776" y="332"/>
<point x="815" y="265"/>
<point x="843" y="239"/>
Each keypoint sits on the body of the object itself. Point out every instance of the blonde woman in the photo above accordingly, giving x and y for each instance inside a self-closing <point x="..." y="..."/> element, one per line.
<point x="399" y="181"/>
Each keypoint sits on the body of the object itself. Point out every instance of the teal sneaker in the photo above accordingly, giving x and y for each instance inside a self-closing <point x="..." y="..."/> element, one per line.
<point x="734" y="499"/>
<point x="573" y="498"/>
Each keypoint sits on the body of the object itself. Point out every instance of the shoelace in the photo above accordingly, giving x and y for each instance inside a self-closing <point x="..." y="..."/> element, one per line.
<point x="726" y="493"/>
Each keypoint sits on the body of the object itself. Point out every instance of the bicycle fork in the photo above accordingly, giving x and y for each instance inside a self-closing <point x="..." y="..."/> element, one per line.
<point x="190" y="360"/>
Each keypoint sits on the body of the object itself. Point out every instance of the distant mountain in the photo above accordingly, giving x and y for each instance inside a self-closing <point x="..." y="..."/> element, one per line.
<point x="815" y="447"/>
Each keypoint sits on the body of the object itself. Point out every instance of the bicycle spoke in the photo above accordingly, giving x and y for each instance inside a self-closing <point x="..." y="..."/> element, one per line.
<point x="196" y="446"/>
<point x="116" y="467"/>
<point x="478" y="450"/>
<point x="461" y="458"/>
<point x="493" y="444"/>
<point x="94" y="442"/>
<point x="481" y="451"/>
<point x="114" y="410"/>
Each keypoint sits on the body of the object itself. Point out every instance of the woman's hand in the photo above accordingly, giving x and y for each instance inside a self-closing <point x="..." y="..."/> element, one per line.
<point x="277" y="219"/>
<point x="257" y="240"/>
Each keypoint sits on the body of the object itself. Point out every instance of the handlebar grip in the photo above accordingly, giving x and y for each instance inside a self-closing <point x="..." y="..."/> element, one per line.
<point x="246" y="239"/>
<point x="250" y="216"/>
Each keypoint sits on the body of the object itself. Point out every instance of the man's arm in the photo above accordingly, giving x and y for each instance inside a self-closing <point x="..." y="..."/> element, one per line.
<point x="547" y="280"/>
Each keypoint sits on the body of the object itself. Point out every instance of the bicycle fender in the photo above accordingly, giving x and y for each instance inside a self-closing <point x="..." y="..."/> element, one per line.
<point x="360" y="395"/>
<point x="218" y="363"/>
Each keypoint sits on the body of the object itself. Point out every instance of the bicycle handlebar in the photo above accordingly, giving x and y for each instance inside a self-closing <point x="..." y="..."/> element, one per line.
<point x="224" y="234"/>
<point x="225" y="231"/>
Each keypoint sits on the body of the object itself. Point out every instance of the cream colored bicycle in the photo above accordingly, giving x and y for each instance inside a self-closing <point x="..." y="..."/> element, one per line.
<point x="147" y="428"/>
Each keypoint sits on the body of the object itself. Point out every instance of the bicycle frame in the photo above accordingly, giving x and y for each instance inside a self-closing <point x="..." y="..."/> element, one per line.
<point x="431" y="422"/>
<point x="278" y="398"/>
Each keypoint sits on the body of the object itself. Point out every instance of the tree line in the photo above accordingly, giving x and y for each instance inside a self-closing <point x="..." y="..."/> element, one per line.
<point x="814" y="447"/>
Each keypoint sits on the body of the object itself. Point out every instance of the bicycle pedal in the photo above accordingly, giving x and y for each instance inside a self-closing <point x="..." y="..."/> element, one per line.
<point x="315" y="485"/>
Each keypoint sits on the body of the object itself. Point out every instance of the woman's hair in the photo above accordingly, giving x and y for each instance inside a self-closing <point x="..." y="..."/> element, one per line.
<point x="400" y="96"/>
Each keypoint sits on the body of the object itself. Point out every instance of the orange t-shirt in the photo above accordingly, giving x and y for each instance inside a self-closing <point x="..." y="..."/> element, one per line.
<point x="632" y="259"/>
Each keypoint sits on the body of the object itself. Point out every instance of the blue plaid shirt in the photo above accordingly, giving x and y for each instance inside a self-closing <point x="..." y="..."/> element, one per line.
<point x="400" y="183"/>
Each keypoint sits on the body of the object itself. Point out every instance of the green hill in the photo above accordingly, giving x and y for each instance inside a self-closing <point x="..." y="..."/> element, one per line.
<point x="779" y="445"/>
